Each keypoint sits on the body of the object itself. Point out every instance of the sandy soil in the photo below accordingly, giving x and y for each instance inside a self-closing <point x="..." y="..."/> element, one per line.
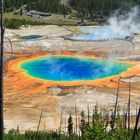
<point x="25" y="97"/>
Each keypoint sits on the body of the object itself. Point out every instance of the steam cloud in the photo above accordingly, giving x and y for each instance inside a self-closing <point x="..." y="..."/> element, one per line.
<point x="122" y="25"/>
<point x="128" y="23"/>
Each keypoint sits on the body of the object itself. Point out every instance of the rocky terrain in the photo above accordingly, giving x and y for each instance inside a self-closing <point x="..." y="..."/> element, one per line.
<point x="25" y="98"/>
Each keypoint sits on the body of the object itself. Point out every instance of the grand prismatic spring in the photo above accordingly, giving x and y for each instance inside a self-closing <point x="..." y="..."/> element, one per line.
<point x="59" y="68"/>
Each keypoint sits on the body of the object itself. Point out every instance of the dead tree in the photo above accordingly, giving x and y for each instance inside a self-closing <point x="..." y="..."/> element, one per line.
<point x="1" y="71"/>
<point x="116" y="104"/>
<point x="11" y="44"/>
<point x="129" y="102"/>
<point x="60" y="128"/>
<point x="136" y="125"/>
<point x="76" y="117"/>
<point x="88" y="114"/>
<point x="39" y="122"/>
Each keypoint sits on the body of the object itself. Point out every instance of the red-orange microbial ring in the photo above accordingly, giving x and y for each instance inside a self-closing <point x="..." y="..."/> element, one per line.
<point x="25" y="83"/>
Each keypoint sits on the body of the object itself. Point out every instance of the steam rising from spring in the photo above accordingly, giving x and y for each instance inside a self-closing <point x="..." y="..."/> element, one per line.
<point x="121" y="25"/>
<point x="127" y="23"/>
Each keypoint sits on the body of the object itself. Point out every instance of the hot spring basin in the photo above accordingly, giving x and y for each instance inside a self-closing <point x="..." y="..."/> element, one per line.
<point x="31" y="37"/>
<point x="61" y="68"/>
<point x="98" y="33"/>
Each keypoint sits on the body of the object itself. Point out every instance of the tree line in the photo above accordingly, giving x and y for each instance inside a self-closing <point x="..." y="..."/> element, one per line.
<point x="99" y="126"/>
<point x="84" y="8"/>
<point x="53" y="6"/>
<point x="99" y="8"/>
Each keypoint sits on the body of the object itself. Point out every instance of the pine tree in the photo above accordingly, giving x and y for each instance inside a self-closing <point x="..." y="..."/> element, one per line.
<point x="96" y="131"/>
<point x="70" y="125"/>
<point x="83" y="125"/>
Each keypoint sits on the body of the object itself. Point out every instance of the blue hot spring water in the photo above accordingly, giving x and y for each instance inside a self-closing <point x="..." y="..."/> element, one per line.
<point x="59" y="68"/>
<point x="31" y="37"/>
<point x="98" y="33"/>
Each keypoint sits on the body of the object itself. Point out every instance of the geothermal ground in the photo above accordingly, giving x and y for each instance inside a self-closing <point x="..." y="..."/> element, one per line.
<point x="25" y="96"/>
